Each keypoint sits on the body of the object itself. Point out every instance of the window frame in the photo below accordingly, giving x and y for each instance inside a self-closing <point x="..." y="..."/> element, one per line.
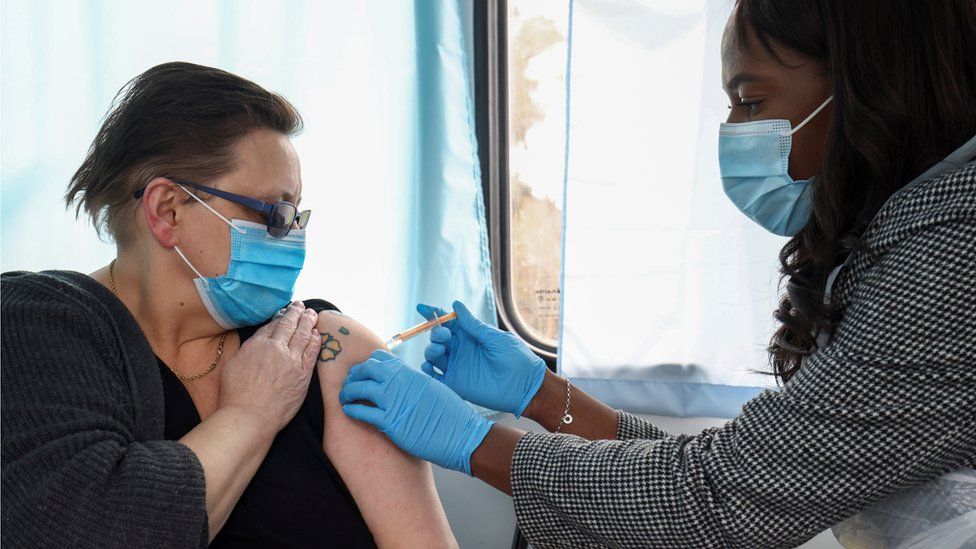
<point x="490" y="31"/>
<point x="491" y="126"/>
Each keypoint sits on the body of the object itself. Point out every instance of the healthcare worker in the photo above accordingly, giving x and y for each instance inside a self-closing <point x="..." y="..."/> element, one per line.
<point x="851" y="131"/>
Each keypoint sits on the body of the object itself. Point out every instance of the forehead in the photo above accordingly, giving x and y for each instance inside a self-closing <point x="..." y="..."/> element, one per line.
<point x="744" y="53"/>
<point x="267" y="167"/>
<point x="741" y="49"/>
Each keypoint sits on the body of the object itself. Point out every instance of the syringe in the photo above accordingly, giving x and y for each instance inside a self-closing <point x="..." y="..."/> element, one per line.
<point x="396" y="340"/>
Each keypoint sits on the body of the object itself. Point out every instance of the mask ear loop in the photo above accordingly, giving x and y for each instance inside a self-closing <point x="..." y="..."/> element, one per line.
<point x="215" y="212"/>
<point x="809" y="118"/>
<point x="187" y="261"/>
<point x="209" y="207"/>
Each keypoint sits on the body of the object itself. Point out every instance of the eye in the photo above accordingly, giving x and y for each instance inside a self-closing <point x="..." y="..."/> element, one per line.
<point x="751" y="106"/>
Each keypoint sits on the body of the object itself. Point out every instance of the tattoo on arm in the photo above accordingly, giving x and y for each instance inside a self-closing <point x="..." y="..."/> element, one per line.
<point x="343" y="330"/>
<point x="331" y="348"/>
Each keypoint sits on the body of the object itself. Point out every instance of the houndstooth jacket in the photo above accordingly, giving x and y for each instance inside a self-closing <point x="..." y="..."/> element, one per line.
<point x="887" y="404"/>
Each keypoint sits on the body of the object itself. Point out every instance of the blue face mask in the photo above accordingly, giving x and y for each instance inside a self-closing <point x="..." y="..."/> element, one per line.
<point x="753" y="158"/>
<point x="260" y="278"/>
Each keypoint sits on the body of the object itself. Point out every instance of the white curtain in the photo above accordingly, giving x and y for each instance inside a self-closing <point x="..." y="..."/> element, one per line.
<point x="668" y="289"/>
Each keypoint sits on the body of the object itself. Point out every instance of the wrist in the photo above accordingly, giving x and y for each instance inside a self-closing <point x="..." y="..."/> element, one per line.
<point x="539" y="372"/>
<point x="492" y="459"/>
<point x="546" y="407"/>
<point x="480" y="427"/>
<point x="245" y="419"/>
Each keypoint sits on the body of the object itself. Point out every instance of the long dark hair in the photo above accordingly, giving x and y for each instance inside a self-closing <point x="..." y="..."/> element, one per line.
<point x="904" y="79"/>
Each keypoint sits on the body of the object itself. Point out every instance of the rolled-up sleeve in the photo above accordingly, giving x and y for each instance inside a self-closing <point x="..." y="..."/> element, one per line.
<point x="889" y="404"/>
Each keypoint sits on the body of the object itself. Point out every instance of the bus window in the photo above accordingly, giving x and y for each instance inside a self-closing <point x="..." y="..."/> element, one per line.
<point x="529" y="45"/>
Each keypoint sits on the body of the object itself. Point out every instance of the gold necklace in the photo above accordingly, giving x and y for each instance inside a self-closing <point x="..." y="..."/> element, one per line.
<point x="220" y="346"/>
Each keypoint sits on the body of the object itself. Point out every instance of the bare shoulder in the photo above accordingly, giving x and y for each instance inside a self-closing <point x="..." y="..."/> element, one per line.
<point x="345" y="342"/>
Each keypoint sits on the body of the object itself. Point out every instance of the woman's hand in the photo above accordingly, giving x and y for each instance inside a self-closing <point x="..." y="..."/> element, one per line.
<point x="261" y="389"/>
<point x="421" y="416"/>
<point x="483" y="364"/>
<point x="268" y="377"/>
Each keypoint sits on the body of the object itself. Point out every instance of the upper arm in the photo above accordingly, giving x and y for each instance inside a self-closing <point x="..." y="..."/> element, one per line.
<point x="345" y="343"/>
<point x="394" y="491"/>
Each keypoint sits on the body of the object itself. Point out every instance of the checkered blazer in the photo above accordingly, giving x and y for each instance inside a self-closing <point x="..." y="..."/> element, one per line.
<point x="888" y="403"/>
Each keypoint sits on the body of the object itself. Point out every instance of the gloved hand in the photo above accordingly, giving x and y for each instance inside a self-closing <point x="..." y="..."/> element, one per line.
<point x="483" y="364"/>
<point x="420" y="415"/>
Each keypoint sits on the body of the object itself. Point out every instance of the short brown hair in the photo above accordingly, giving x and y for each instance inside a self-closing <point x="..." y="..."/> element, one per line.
<point x="174" y="120"/>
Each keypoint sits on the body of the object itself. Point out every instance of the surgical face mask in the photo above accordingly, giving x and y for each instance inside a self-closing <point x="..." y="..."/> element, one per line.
<point x="753" y="158"/>
<point x="260" y="278"/>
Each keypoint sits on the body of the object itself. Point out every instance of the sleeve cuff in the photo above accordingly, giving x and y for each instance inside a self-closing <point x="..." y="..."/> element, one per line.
<point x="631" y="427"/>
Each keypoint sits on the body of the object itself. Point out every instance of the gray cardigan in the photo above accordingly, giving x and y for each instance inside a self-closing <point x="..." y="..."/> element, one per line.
<point x="889" y="402"/>
<point x="84" y="463"/>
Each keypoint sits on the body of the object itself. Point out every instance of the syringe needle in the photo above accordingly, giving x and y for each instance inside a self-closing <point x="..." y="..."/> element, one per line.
<point x="397" y="339"/>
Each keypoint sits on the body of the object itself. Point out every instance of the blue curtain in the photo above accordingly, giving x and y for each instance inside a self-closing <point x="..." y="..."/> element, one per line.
<point x="449" y="248"/>
<point x="389" y="160"/>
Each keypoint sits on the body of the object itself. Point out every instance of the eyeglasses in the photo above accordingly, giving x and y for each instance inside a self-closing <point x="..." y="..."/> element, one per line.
<point x="281" y="215"/>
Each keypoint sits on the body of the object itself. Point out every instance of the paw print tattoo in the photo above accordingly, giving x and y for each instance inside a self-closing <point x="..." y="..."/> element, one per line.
<point x="330" y="348"/>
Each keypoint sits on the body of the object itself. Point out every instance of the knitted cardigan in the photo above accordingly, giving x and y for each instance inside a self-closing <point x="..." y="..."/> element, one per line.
<point x="84" y="463"/>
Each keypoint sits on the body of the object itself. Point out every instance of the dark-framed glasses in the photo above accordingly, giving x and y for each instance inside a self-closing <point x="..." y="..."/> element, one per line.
<point x="281" y="216"/>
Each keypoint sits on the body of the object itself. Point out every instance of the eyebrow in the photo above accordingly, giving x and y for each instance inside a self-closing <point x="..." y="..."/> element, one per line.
<point x="287" y="197"/>
<point x="741" y="78"/>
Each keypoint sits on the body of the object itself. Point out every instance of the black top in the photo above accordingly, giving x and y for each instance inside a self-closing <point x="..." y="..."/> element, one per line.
<point x="296" y="498"/>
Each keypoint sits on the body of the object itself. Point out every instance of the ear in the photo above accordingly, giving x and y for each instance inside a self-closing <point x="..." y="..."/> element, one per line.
<point x="160" y="202"/>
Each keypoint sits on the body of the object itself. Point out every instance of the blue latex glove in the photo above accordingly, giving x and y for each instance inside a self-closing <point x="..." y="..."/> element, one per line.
<point x="483" y="364"/>
<point x="420" y="415"/>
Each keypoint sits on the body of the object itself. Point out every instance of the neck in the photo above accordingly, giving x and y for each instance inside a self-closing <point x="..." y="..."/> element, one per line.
<point x="160" y="294"/>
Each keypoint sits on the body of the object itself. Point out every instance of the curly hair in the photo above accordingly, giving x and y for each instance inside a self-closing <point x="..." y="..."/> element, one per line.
<point x="904" y="87"/>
